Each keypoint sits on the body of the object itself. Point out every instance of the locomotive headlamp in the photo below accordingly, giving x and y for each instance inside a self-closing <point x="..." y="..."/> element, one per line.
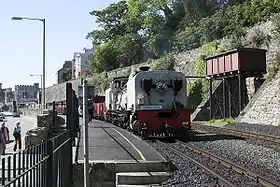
<point x="141" y="98"/>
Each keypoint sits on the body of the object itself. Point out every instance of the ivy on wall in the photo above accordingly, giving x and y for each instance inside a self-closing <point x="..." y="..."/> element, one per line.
<point x="198" y="89"/>
<point x="165" y="63"/>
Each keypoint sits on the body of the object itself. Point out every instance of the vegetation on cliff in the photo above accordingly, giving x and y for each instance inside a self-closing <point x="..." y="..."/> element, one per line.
<point x="155" y="31"/>
<point x="134" y="31"/>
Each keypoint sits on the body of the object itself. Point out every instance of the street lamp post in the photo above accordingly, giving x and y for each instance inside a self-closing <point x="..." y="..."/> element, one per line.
<point x="44" y="54"/>
<point x="41" y="107"/>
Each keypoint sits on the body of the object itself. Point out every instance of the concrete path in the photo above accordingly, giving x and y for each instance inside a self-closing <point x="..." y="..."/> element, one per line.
<point x="110" y="143"/>
<point x="27" y="123"/>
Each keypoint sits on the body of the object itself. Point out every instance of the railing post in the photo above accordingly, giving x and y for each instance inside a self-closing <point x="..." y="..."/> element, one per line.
<point x="49" y="175"/>
<point x="210" y="99"/>
<point x="53" y="118"/>
<point x="69" y="121"/>
<point x="78" y="116"/>
<point x="74" y="116"/>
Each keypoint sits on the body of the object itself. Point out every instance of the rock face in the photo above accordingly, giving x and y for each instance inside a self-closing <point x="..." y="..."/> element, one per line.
<point x="265" y="105"/>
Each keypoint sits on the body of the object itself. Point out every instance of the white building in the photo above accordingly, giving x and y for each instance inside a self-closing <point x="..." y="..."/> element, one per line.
<point x="80" y="62"/>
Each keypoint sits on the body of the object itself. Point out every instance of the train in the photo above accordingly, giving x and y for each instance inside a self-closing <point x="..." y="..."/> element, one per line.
<point x="61" y="109"/>
<point x="150" y="103"/>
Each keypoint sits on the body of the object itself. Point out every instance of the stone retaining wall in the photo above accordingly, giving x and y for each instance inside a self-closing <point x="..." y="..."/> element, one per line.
<point x="265" y="106"/>
<point x="101" y="174"/>
<point x="39" y="134"/>
<point x="58" y="92"/>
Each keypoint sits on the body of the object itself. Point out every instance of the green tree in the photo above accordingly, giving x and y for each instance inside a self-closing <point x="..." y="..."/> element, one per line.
<point x="133" y="31"/>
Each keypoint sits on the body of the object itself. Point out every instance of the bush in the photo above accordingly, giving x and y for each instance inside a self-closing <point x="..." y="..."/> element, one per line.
<point x="226" y="22"/>
<point x="101" y="81"/>
<point x="165" y="63"/>
<point x="275" y="68"/>
<point x="222" y="121"/>
<point x="198" y="89"/>
<point x="195" y="94"/>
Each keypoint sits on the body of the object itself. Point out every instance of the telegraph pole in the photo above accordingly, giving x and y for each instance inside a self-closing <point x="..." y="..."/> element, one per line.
<point x="85" y="130"/>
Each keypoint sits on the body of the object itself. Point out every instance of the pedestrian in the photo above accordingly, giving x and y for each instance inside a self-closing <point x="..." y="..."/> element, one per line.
<point x="2" y="142"/>
<point x="6" y="132"/>
<point x="17" y="135"/>
<point x="4" y="137"/>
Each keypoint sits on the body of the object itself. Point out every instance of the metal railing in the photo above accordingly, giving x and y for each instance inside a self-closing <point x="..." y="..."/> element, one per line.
<point x="44" y="165"/>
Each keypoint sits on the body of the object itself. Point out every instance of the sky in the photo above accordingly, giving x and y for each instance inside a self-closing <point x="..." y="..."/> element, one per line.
<point x="67" y="24"/>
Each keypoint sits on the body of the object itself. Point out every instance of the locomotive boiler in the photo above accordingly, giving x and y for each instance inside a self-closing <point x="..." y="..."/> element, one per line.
<point x="149" y="103"/>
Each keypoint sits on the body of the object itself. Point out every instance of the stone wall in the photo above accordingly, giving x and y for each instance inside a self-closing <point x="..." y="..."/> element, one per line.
<point x="58" y="91"/>
<point x="101" y="174"/>
<point x="35" y="136"/>
<point x="39" y="134"/>
<point x="265" y="105"/>
<point x="219" y="109"/>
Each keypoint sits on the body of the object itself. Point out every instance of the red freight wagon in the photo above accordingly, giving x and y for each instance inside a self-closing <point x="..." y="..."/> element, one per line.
<point x="99" y="111"/>
<point x="61" y="109"/>
<point x="238" y="60"/>
<point x="99" y="107"/>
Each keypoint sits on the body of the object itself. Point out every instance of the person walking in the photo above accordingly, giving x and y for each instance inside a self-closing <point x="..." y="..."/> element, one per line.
<point x="4" y="137"/>
<point x="17" y="135"/>
<point x="2" y="142"/>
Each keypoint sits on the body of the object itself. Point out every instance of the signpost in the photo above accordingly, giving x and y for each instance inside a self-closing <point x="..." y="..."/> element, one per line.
<point x="85" y="130"/>
<point x="90" y="91"/>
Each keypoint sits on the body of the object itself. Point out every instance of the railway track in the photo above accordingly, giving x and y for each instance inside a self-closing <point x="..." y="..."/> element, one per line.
<point x="257" y="178"/>
<point x="226" y="163"/>
<point x="218" y="178"/>
<point x="250" y="135"/>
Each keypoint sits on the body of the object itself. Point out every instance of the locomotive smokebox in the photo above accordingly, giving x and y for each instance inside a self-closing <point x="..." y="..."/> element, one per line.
<point x="144" y="68"/>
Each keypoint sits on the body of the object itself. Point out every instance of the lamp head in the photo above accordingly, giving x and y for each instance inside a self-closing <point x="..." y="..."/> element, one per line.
<point x="16" y="18"/>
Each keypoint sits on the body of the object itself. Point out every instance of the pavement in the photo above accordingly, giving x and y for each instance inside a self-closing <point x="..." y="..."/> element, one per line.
<point x="131" y="160"/>
<point x="27" y="123"/>
<point x="110" y="143"/>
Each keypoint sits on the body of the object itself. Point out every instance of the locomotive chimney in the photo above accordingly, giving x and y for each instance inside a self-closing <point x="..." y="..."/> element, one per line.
<point x="144" y="68"/>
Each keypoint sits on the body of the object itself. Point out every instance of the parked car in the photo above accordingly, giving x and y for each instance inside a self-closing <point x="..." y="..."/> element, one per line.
<point x="16" y="115"/>
<point x="1" y="118"/>
<point x="3" y="115"/>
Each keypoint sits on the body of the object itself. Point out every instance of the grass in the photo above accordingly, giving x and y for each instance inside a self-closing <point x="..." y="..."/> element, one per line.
<point x="222" y="121"/>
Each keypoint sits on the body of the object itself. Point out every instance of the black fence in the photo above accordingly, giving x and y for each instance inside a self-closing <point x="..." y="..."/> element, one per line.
<point x="48" y="164"/>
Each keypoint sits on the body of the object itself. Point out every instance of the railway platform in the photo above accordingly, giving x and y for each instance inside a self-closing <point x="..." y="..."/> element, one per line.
<point x="119" y="158"/>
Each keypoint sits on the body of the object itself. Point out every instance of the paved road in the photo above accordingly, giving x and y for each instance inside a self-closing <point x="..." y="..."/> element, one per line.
<point x="27" y="123"/>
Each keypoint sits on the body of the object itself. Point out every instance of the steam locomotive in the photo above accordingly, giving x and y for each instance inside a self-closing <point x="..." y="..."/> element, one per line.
<point x="151" y="104"/>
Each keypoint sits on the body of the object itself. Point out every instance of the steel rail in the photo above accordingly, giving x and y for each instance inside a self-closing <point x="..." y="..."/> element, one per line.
<point x="218" y="178"/>
<point x="257" y="178"/>
<point x="251" y="135"/>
